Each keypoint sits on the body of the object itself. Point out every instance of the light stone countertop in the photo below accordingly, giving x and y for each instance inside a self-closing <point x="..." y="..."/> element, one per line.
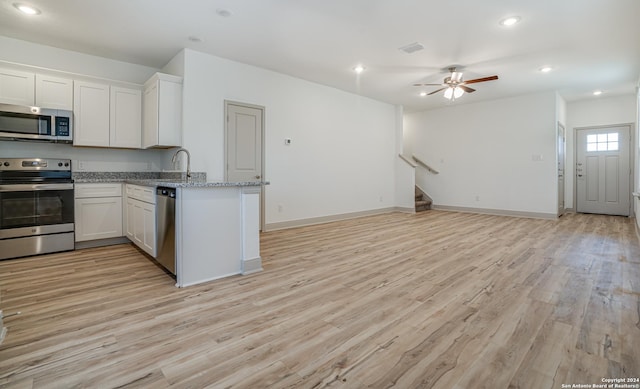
<point x="170" y="183"/>
<point x="157" y="179"/>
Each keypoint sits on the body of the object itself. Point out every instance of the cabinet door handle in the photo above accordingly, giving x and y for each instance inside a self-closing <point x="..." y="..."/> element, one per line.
<point x="257" y="177"/>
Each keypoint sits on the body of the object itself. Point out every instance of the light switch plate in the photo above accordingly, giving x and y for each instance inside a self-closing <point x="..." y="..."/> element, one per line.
<point x="287" y="141"/>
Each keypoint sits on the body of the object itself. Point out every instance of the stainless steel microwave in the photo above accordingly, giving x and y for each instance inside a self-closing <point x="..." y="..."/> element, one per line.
<point x="19" y="122"/>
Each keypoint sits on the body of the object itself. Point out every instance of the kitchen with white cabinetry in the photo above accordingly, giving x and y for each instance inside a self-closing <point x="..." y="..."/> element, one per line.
<point x="120" y="131"/>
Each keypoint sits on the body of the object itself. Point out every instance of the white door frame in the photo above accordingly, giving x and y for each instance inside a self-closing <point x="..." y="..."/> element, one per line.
<point x="226" y="129"/>
<point x="632" y="161"/>
<point x="564" y="167"/>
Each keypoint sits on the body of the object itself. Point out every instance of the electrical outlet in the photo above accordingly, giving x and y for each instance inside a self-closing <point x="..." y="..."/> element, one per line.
<point x="82" y="165"/>
<point x="477" y="198"/>
<point x="148" y="165"/>
<point x="280" y="208"/>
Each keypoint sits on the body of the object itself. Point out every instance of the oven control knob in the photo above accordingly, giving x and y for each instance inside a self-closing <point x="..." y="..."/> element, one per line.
<point x="66" y="164"/>
<point x="7" y="164"/>
<point x="60" y="164"/>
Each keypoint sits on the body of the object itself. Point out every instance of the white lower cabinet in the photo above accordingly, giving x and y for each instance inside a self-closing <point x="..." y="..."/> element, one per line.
<point x="140" y="214"/>
<point x="98" y="211"/>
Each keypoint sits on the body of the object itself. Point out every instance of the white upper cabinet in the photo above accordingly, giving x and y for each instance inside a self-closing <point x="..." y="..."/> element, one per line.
<point x="25" y="88"/>
<point x="126" y="117"/>
<point x="106" y="116"/>
<point x="17" y="87"/>
<point x="54" y="92"/>
<point x="162" y="111"/>
<point x="91" y="113"/>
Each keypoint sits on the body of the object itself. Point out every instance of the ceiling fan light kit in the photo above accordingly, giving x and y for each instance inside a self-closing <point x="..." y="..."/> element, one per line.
<point x="453" y="93"/>
<point x="454" y="86"/>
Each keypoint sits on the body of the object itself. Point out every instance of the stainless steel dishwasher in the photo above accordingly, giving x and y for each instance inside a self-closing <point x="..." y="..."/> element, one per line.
<point x="166" y="228"/>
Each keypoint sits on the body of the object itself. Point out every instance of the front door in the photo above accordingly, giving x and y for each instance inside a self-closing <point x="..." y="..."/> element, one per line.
<point x="603" y="170"/>
<point x="243" y="143"/>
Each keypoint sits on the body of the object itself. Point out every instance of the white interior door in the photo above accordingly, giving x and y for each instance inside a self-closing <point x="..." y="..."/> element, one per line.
<point x="603" y="170"/>
<point x="244" y="143"/>
<point x="561" y="163"/>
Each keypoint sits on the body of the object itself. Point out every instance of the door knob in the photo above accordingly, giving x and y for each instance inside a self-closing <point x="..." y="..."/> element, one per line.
<point x="257" y="177"/>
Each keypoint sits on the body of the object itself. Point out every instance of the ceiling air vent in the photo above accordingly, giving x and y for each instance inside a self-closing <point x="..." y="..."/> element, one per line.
<point x="412" y="47"/>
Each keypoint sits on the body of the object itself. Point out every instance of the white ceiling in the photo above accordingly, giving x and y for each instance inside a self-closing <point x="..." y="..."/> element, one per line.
<point x="591" y="44"/>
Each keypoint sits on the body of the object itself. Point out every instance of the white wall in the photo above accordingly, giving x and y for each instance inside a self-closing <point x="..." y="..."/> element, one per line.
<point x="485" y="154"/>
<point x="51" y="59"/>
<point x="405" y="173"/>
<point x="27" y="53"/>
<point x="86" y="158"/>
<point x="597" y="111"/>
<point x="561" y="119"/>
<point x="343" y="151"/>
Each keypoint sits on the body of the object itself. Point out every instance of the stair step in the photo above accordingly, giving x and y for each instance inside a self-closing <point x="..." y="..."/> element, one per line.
<point x="423" y="203"/>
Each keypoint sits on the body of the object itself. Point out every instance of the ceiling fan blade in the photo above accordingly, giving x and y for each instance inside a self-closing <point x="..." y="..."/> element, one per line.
<point x="436" y="91"/>
<point x="427" y="84"/>
<point x="483" y="79"/>
<point x="466" y="88"/>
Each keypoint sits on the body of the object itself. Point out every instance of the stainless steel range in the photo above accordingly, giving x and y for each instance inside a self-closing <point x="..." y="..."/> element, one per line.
<point x="36" y="206"/>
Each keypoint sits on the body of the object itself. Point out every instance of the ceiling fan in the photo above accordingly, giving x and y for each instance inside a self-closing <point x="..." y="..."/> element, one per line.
<point x="454" y="87"/>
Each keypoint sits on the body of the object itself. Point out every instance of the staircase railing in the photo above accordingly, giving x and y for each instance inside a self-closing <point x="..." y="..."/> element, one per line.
<point x="407" y="160"/>
<point x="425" y="165"/>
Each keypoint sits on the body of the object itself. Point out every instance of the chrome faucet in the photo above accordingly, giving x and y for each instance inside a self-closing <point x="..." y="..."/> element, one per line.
<point x="175" y="156"/>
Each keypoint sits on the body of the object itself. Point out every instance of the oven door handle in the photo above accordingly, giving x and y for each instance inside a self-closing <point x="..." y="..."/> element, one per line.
<point x="34" y="187"/>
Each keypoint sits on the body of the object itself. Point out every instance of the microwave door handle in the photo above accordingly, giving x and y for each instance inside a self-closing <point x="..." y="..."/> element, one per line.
<point x="34" y="187"/>
<point x="45" y="125"/>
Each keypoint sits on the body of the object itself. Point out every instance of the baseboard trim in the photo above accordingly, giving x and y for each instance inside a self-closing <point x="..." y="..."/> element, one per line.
<point x="405" y="209"/>
<point x="250" y="266"/>
<point x="206" y="280"/>
<point x="332" y="218"/>
<point x="101" y="242"/>
<point x="497" y="212"/>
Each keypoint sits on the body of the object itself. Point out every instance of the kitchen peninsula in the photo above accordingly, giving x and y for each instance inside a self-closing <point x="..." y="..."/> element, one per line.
<point x="216" y="223"/>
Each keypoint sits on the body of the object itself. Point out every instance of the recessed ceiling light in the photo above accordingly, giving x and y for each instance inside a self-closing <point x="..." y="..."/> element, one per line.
<point x="545" y="69"/>
<point x="195" y="39"/>
<point x="358" y="69"/>
<point x="423" y="94"/>
<point x="26" y="9"/>
<point x="225" y="13"/>
<point x="597" y="92"/>
<point x="510" y="21"/>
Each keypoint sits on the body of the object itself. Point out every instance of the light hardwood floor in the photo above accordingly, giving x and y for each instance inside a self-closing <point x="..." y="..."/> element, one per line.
<point x="436" y="299"/>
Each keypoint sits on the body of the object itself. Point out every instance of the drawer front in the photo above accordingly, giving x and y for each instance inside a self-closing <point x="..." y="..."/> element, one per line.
<point x="83" y="191"/>
<point x="142" y="193"/>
